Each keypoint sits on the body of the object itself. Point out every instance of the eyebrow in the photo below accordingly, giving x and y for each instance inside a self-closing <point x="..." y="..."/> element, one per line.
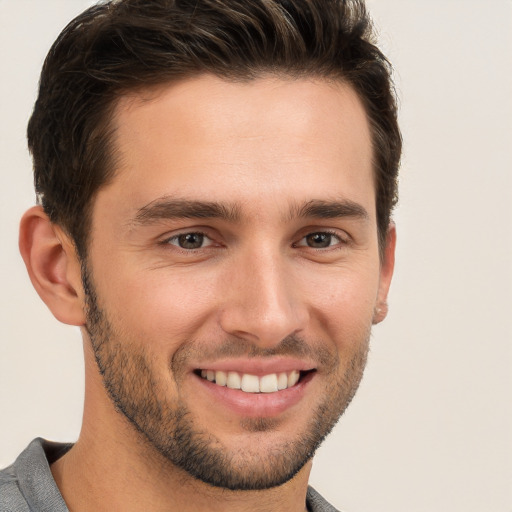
<point x="319" y="209"/>
<point x="168" y="208"/>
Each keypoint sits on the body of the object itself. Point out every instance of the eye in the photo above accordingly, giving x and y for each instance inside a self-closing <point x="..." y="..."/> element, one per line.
<point x="190" y="241"/>
<point x="320" y="240"/>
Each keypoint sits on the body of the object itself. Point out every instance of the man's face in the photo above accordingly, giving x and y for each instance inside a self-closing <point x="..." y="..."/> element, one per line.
<point x="236" y="247"/>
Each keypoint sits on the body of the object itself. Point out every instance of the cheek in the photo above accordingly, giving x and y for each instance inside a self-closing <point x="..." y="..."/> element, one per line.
<point x="161" y="306"/>
<point x="342" y="303"/>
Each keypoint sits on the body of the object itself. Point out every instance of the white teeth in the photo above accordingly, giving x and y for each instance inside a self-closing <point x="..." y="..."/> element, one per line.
<point x="282" y="381"/>
<point x="293" y="378"/>
<point x="268" y="383"/>
<point x="221" y="378"/>
<point x="252" y="383"/>
<point x="233" y="381"/>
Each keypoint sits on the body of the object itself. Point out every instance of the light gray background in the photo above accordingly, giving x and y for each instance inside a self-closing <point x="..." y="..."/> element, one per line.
<point x="431" y="427"/>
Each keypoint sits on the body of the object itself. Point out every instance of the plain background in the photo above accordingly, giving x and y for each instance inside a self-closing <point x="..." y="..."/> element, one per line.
<point x="431" y="427"/>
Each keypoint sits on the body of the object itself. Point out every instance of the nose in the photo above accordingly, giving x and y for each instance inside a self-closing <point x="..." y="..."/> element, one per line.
<point x="263" y="302"/>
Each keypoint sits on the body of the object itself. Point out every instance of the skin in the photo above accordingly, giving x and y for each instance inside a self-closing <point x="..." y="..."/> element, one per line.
<point x="261" y="149"/>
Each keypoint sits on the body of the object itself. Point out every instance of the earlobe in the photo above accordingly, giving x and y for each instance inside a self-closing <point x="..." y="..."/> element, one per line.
<point x="386" y="274"/>
<point x="52" y="265"/>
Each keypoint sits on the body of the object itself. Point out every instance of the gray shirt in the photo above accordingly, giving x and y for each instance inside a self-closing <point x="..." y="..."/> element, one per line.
<point x="28" y="484"/>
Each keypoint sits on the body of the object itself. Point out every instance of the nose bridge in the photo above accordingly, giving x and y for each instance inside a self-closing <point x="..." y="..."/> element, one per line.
<point x="263" y="301"/>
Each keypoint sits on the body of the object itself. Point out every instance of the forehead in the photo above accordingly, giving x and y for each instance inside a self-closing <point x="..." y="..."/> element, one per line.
<point x="257" y="141"/>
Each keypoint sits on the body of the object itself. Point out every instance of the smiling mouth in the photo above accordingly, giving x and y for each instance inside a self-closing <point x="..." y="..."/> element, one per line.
<point x="248" y="383"/>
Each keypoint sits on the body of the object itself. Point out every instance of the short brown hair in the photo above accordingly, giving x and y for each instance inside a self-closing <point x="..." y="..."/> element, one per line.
<point x="118" y="46"/>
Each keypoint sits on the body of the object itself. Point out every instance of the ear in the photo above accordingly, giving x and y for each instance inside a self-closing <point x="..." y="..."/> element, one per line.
<point x="387" y="266"/>
<point x="53" y="266"/>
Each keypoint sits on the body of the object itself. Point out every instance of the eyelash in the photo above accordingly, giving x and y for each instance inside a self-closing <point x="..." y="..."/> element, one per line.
<point x="168" y="241"/>
<point x="342" y="242"/>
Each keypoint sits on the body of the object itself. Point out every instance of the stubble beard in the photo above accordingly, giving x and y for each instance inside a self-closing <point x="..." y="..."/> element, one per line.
<point x="168" y="426"/>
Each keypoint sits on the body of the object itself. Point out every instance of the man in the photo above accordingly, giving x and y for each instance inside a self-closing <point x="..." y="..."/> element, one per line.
<point x="215" y="183"/>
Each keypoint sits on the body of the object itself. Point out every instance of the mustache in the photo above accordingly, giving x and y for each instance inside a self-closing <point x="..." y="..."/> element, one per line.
<point x="233" y="347"/>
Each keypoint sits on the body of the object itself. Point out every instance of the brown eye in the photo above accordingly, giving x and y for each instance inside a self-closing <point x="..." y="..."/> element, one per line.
<point x="319" y="240"/>
<point x="190" y="241"/>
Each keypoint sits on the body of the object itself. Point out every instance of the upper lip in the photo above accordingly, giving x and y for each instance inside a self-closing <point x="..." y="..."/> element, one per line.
<point x="257" y="366"/>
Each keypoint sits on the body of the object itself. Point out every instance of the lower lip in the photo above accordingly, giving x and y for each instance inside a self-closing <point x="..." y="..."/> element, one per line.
<point x="256" y="405"/>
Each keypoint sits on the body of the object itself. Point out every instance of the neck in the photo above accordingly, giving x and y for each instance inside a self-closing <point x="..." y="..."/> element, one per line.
<point x="99" y="476"/>
<point x="112" y="467"/>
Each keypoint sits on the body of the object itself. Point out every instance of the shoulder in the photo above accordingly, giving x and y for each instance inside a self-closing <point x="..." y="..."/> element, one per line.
<point x="11" y="498"/>
<point x="316" y="503"/>
<point x="27" y="485"/>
